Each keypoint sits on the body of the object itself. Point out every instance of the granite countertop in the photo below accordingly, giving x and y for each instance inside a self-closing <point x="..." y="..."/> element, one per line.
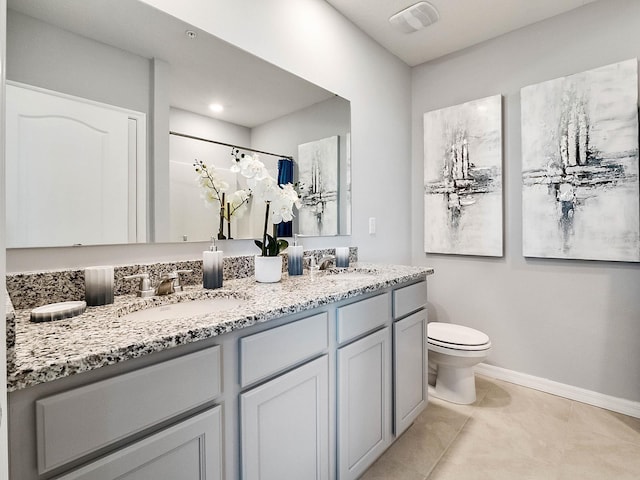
<point x="8" y="305"/>
<point x="101" y="336"/>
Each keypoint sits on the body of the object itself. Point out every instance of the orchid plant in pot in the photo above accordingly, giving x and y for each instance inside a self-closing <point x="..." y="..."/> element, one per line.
<point x="279" y="203"/>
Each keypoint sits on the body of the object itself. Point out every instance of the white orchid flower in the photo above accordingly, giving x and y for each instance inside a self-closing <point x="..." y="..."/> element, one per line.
<point x="281" y="212"/>
<point x="289" y="192"/>
<point x="209" y="179"/>
<point x="266" y="188"/>
<point x="283" y="203"/>
<point x="279" y="199"/>
<point x="238" y="202"/>
<point x="251" y="167"/>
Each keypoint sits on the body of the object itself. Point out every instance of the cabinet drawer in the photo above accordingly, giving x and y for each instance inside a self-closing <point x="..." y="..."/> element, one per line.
<point x="75" y="423"/>
<point x="192" y="449"/>
<point x="273" y="351"/>
<point x="409" y="299"/>
<point x="362" y="317"/>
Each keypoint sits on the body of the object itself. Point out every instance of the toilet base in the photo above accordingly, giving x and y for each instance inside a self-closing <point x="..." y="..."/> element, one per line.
<point x="455" y="384"/>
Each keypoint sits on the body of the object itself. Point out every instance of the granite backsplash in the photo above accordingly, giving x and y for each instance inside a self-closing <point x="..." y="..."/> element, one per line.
<point x="33" y="289"/>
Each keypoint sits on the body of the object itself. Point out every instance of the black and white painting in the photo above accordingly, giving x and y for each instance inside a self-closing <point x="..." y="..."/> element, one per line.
<point x="463" y="178"/>
<point x="580" y="196"/>
<point x="318" y="187"/>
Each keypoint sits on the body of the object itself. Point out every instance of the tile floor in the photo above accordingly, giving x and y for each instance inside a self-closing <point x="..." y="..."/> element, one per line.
<point x="513" y="433"/>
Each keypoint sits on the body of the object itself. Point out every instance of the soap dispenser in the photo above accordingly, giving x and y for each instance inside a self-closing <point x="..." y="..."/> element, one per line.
<point x="212" y="266"/>
<point x="294" y="257"/>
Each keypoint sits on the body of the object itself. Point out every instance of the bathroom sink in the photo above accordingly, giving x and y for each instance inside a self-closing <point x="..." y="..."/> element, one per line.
<point x="350" y="274"/>
<point x="350" y="277"/>
<point x="188" y="308"/>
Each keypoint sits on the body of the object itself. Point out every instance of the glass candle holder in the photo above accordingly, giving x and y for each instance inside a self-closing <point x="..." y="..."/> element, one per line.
<point x="294" y="256"/>
<point x="98" y="285"/>
<point x="342" y="257"/>
<point x="212" y="268"/>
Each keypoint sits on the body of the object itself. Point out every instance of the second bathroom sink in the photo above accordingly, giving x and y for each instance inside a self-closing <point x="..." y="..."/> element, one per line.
<point x="188" y="308"/>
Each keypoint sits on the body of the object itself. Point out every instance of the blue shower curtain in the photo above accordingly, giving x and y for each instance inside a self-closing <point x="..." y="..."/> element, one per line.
<point x="285" y="175"/>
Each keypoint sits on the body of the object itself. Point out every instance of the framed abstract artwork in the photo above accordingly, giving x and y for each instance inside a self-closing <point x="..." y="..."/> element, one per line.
<point x="580" y="195"/>
<point x="463" y="179"/>
<point x="318" y="187"/>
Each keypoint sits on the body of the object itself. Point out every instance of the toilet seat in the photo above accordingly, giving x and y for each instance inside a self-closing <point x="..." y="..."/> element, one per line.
<point x="456" y="337"/>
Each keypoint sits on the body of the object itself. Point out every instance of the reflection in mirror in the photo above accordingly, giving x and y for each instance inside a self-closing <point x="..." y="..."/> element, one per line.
<point x="159" y="74"/>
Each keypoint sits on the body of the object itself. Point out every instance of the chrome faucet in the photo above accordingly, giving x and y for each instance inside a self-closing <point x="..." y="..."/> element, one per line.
<point x="177" y="284"/>
<point x="311" y="263"/>
<point x="166" y="285"/>
<point x="326" y="260"/>
<point x="169" y="283"/>
<point x="144" y="288"/>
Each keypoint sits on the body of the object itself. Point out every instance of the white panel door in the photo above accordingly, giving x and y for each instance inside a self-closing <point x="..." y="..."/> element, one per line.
<point x="67" y="171"/>
<point x="285" y="426"/>
<point x="364" y="403"/>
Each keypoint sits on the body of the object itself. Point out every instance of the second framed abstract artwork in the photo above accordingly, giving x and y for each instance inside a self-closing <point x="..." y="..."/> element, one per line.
<point x="580" y="195"/>
<point x="463" y="179"/>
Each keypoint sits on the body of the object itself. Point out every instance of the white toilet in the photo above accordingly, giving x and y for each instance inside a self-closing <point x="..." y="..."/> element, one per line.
<point x="453" y="352"/>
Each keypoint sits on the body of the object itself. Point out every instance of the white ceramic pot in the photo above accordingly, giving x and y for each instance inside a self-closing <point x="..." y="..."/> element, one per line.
<point x="268" y="269"/>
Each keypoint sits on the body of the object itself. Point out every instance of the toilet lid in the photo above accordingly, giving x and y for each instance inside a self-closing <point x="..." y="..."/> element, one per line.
<point x="455" y="334"/>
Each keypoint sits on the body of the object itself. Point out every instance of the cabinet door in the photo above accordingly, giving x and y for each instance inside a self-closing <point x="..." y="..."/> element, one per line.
<point x="285" y="426"/>
<point x="409" y="369"/>
<point x="190" y="450"/>
<point x="364" y="402"/>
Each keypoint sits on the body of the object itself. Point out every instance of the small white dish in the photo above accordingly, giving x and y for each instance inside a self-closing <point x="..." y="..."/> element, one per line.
<point x="58" y="311"/>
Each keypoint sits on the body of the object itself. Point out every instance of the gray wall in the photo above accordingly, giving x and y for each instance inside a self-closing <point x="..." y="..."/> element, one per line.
<point x="43" y="55"/>
<point x="182" y="121"/>
<point x="574" y="322"/>
<point x="4" y="446"/>
<point x="187" y="208"/>
<point x="284" y="134"/>
<point x="324" y="119"/>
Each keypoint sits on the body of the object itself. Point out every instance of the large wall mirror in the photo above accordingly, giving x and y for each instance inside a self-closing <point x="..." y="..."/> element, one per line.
<point x="95" y="87"/>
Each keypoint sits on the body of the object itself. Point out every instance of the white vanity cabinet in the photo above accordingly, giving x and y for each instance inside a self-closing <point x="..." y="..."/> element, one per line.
<point x="315" y="395"/>
<point x="364" y="409"/>
<point x="285" y="421"/>
<point x="409" y="354"/>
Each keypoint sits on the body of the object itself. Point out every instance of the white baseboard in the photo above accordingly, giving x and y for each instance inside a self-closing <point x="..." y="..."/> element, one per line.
<point x="615" y="404"/>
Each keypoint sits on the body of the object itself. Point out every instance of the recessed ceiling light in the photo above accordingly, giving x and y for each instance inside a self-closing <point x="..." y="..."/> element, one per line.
<point x="216" y="107"/>
<point x="191" y="34"/>
<point x="415" y="17"/>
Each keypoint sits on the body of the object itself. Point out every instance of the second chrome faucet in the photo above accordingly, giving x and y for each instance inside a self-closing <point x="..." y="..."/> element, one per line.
<point x="169" y="283"/>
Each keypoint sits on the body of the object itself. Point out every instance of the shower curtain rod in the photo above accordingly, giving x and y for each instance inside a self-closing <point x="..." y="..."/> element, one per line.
<point x="229" y="145"/>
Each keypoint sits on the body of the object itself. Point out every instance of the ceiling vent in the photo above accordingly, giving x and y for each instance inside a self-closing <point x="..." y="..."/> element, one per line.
<point x="415" y="17"/>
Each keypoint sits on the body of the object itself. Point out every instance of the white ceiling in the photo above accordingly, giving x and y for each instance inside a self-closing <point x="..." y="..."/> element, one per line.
<point x="208" y="69"/>
<point x="462" y="23"/>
